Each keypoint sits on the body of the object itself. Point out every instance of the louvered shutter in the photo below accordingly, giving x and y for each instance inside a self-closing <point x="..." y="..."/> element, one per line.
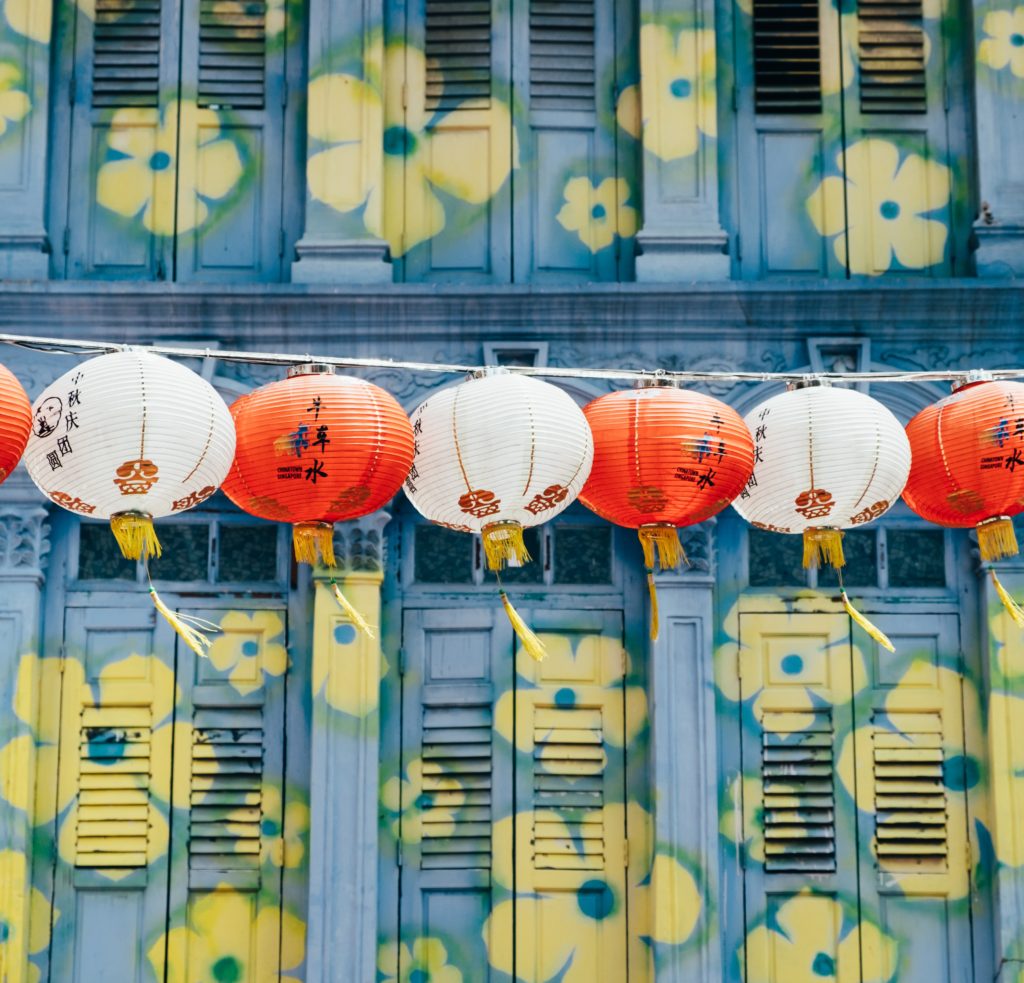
<point x="458" y="49"/>
<point x="891" y="56"/>
<point x="232" y="54"/>
<point x="563" y="55"/>
<point x="126" y="54"/>
<point x="787" y="56"/>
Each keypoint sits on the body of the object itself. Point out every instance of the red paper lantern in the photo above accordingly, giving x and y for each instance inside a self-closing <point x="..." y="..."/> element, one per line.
<point x="15" y="421"/>
<point x="664" y="458"/>
<point x="315" y="449"/>
<point x="967" y="466"/>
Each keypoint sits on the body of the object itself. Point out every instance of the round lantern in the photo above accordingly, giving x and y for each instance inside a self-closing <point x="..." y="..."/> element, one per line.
<point x="130" y="437"/>
<point x="663" y="458"/>
<point x="825" y="459"/>
<point x="15" y="421"/>
<point x="494" y="455"/>
<point x="315" y="449"/>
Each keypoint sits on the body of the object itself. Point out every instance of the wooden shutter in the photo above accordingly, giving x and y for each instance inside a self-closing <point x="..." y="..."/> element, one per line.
<point x="456" y="746"/>
<point x="232" y="53"/>
<point x="798" y="795"/>
<point x="787" y="56"/>
<point x="458" y="49"/>
<point x="112" y="827"/>
<point x="126" y="54"/>
<point x="226" y="795"/>
<point x="562" y="55"/>
<point x="891" y="54"/>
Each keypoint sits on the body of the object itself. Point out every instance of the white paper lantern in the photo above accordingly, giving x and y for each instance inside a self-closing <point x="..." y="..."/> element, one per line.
<point x="825" y="459"/>
<point x="496" y="454"/>
<point x="128" y="437"/>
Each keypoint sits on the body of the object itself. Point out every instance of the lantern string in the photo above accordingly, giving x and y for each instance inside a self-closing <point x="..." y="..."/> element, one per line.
<point x="192" y="631"/>
<point x="355" y="616"/>
<point x="1012" y="607"/>
<point x="531" y="642"/>
<point x="71" y="346"/>
<point x="872" y="629"/>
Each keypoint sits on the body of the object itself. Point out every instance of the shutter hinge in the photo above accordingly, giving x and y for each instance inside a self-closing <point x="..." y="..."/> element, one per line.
<point x="739" y="664"/>
<point x="622" y="660"/>
<point x="284" y="93"/>
<point x="63" y="653"/>
<point x="405" y="96"/>
<point x="66" y="242"/>
<point x="72" y="89"/>
<point x="945" y="95"/>
<point x="735" y="98"/>
<point x="399" y="856"/>
<point x="739" y="247"/>
<point x="625" y="852"/>
<point x="280" y="242"/>
<point x="401" y="661"/>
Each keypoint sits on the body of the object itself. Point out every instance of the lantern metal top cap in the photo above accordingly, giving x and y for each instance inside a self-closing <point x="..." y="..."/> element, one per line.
<point x="310" y="368"/>
<point x="805" y="382"/>
<point x="970" y="378"/>
<point x="655" y="379"/>
<point x="490" y="370"/>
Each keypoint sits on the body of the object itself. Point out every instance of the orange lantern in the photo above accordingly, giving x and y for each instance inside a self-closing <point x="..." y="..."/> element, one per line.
<point x="664" y="458"/>
<point x="315" y="449"/>
<point x="967" y="465"/>
<point x="15" y="421"/>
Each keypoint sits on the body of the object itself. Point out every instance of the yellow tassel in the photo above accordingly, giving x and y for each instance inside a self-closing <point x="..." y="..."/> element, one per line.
<point x="312" y="540"/>
<point x="191" y="635"/>
<point x="996" y="539"/>
<point x="504" y="545"/>
<point x="360" y="623"/>
<point x="135" y="535"/>
<point x="653" y="591"/>
<point x="533" y="645"/>
<point x="661" y="540"/>
<point x="873" y="630"/>
<point x="823" y="546"/>
<point x="1012" y="607"/>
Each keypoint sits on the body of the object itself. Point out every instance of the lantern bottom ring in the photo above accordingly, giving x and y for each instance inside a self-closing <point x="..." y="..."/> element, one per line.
<point x="824" y="544"/>
<point x="134" y="532"/>
<point x="661" y="540"/>
<point x="504" y="545"/>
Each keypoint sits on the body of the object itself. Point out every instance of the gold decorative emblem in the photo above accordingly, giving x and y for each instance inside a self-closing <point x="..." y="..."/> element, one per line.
<point x="965" y="501"/>
<point x="647" y="498"/>
<point x="768" y="527"/>
<point x="193" y="498"/>
<point x="350" y="498"/>
<point x="480" y="503"/>
<point x="136" y="477"/>
<point x="871" y="512"/>
<point x="551" y="496"/>
<point x="266" y="505"/>
<point x="815" y="503"/>
<point x="73" y="504"/>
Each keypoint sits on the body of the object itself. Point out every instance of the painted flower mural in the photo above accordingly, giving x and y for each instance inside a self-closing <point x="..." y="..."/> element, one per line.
<point x="1003" y="44"/>
<point x="426" y="961"/>
<point x="372" y="143"/>
<point x="424" y="797"/>
<point x="284" y="829"/>
<point x="20" y="940"/>
<point x="597" y="213"/>
<point x="888" y="198"/>
<point x="249" y="647"/>
<point x="227" y="941"/>
<point x="678" y="84"/>
<point x="15" y="104"/>
<point x="816" y="940"/>
<point x="149" y="166"/>
<point x="270" y="15"/>
<point x="30" y="18"/>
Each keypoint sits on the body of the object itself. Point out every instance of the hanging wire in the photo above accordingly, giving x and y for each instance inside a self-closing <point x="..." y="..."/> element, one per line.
<point x="70" y="346"/>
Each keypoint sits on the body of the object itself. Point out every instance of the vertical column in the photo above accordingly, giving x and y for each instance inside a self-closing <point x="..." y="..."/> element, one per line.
<point x="345" y="146"/>
<point x="999" y="105"/>
<point x="685" y="789"/>
<point x="347" y="670"/>
<point x="1006" y="769"/>
<point x="24" y="543"/>
<point x="25" y="27"/>
<point x="675" y="113"/>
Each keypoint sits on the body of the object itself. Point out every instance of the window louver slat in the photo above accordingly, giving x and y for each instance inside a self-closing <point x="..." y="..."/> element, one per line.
<point x="456" y="796"/>
<point x="787" y="57"/>
<point x="562" y="63"/>
<point x="798" y="795"/>
<point x="112" y="827"/>
<point x="232" y="53"/>
<point x="891" y="52"/>
<point x="910" y="796"/>
<point x="226" y="794"/>
<point x="568" y="777"/>
<point x="126" y="54"/>
<point x="458" y="49"/>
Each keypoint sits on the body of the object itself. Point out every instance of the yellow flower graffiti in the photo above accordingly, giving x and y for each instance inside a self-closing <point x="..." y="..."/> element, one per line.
<point x="19" y="941"/>
<point x="145" y="173"/>
<point x="1006" y="742"/>
<point x="1004" y="45"/>
<point x="424" y="798"/>
<point x="283" y="829"/>
<point x="248" y="647"/>
<point x="887" y="200"/>
<point x="14" y="103"/>
<point x="30" y="18"/>
<point x="812" y="940"/>
<point x="425" y="962"/>
<point x="589" y="903"/>
<point x="597" y="214"/>
<point x="225" y="940"/>
<point x="742" y="816"/>
<point x="372" y="143"/>
<point x="243" y="14"/>
<point x="678" y="85"/>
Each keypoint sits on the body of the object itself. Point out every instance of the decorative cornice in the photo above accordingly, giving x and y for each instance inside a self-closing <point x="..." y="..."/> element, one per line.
<point x="360" y="545"/>
<point x="24" y="542"/>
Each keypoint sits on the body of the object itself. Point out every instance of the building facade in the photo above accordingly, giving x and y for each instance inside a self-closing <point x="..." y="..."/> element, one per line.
<point x="759" y="795"/>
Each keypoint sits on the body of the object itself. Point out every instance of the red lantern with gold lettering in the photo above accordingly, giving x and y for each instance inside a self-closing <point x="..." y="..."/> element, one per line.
<point x="664" y="458"/>
<point x="15" y="421"/>
<point x="315" y="449"/>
